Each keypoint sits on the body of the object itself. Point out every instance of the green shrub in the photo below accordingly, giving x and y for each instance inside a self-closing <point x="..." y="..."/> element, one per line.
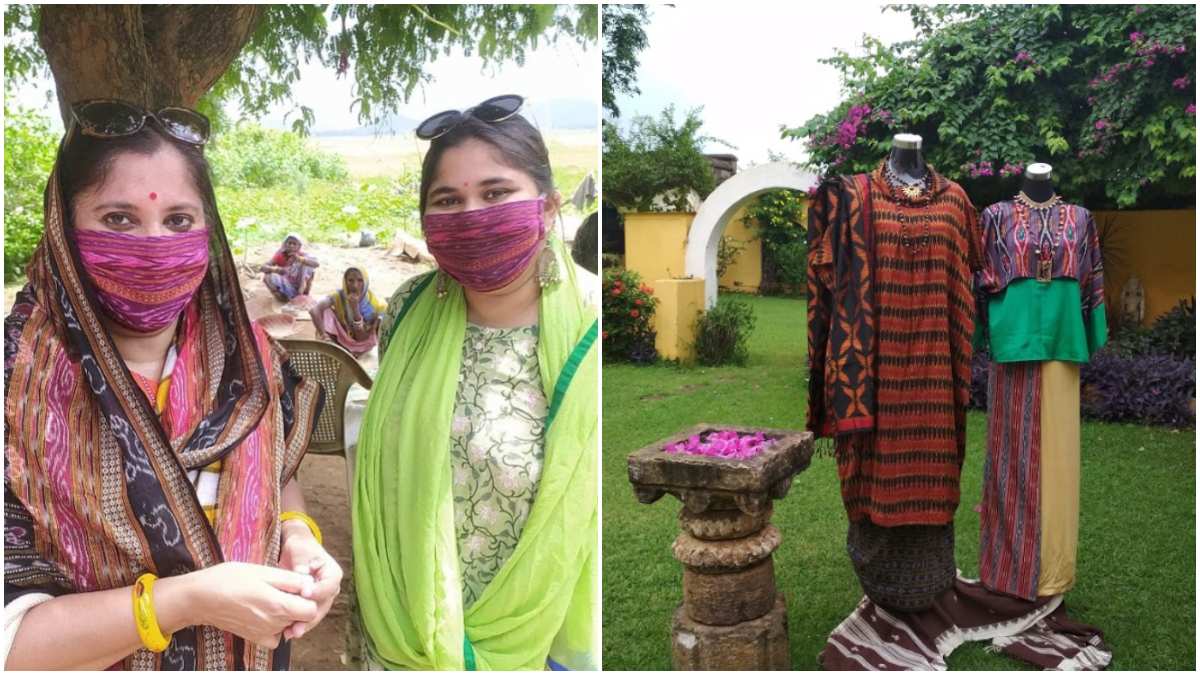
<point x="29" y="149"/>
<point x="728" y="251"/>
<point x="324" y="212"/>
<point x="657" y="158"/>
<point x="628" y="307"/>
<point x="250" y="156"/>
<point x="1174" y="333"/>
<point x="722" y="333"/>
<point x="779" y="216"/>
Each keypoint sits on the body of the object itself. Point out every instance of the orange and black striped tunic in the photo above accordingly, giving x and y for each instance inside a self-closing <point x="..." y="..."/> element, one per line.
<point x="905" y="470"/>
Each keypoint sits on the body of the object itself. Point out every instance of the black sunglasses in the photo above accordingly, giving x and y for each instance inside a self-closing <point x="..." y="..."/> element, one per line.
<point x="107" y="118"/>
<point x="495" y="109"/>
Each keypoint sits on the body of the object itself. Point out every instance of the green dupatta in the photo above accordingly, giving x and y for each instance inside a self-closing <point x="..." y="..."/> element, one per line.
<point x="544" y="600"/>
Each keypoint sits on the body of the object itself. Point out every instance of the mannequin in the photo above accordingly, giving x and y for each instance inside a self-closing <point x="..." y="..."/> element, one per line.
<point x="1037" y="184"/>
<point x="891" y="256"/>
<point x="1041" y="294"/>
<point x="905" y="159"/>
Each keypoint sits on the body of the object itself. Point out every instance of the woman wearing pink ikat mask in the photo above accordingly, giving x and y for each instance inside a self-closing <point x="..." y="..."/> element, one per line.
<point x="152" y="516"/>
<point x="475" y="502"/>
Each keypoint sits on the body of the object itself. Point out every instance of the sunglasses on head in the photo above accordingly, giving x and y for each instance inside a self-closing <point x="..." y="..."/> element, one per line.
<point x="495" y="109"/>
<point x="106" y="118"/>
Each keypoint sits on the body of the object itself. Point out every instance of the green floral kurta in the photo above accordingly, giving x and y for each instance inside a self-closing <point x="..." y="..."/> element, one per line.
<point x="496" y="447"/>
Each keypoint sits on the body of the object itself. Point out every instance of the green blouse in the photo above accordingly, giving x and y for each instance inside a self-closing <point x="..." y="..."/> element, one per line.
<point x="1036" y="321"/>
<point x="496" y="448"/>
<point x="496" y="444"/>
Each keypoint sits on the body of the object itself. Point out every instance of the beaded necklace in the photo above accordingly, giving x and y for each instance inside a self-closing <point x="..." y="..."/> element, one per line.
<point x="1045" y="256"/>
<point x="916" y="195"/>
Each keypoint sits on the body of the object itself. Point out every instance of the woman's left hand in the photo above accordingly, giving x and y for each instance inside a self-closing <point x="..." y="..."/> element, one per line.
<point x="301" y="553"/>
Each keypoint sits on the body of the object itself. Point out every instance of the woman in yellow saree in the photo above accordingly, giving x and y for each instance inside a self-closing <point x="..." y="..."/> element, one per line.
<point x="475" y="502"/>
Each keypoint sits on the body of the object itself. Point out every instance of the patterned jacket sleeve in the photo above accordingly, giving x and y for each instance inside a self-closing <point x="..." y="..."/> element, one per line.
<point x="820" y="301"/>
<point x="1091" y="284"/>
<point x="983" y="234"/>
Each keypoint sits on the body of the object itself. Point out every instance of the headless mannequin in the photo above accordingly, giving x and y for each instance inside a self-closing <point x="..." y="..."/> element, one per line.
<point x="1037" y="184"/>
<point x="906" y="160"/>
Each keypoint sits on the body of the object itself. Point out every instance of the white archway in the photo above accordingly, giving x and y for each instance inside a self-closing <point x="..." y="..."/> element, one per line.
<point x="704" y="236"/>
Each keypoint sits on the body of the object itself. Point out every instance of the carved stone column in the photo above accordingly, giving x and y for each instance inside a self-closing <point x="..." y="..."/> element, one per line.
<point x="732" y="616"/>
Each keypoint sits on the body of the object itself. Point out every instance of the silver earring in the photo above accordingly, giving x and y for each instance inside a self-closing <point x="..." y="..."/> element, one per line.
<point x="547" y="272"/>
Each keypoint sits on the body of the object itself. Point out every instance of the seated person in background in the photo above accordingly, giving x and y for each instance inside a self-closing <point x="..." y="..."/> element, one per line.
<point x="349" y="317"/>
<point x="290" y="272"/>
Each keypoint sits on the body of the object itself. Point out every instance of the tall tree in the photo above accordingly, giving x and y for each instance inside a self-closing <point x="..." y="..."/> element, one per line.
<point x="624" y="38"/>
<point x="205" y="55"/>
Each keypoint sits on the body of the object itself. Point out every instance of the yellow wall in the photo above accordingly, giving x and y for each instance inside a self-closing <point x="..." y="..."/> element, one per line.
<point x="1159" y="247"/>
<point x="654" y="244"/>
<point x="745" y="273"/>
<point x="680" y="301"/>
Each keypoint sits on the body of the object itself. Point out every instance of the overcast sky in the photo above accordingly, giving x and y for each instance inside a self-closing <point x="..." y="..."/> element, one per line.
<point x="753" y="66"/>
<point x="561" y="71"/>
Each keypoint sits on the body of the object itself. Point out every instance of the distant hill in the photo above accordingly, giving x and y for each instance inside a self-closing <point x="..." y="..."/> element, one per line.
<point x="566" y="113"/>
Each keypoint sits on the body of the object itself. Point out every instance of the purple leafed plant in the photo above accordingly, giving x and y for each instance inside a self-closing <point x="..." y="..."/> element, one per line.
<point x="1155" y="389"/>
<point x="726" y="444"/>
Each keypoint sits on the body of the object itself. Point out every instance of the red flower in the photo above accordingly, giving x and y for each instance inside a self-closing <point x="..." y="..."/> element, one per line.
<point x="638" y="302"/>
<point x="647" y="290"/>
<point x="616" y="292"/>
<point x="604" y="334"/>
<point x="634" y="313"/>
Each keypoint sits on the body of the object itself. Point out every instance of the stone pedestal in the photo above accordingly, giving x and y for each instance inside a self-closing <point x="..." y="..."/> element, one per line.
<point x="732" y="617"/>
<point x="758" y="644"/>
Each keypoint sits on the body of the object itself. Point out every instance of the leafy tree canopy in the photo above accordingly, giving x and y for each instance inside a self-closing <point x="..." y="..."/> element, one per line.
<point x="384" y="48"/>
<point x="624" y="38"/>
<point x="657" y="158"/>
<point x="1104" y="93"/>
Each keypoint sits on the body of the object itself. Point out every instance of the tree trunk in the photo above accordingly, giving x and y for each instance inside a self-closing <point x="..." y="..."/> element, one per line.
<point x="151" y="55"/>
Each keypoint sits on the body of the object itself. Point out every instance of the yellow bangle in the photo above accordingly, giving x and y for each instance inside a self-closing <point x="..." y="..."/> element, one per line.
<point x="144" y="617"/>
<point x="312" y="524"/>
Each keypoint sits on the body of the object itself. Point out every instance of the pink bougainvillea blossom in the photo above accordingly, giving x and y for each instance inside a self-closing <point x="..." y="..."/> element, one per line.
<point x="1012" y="168"/>
<point x="1101" y="124"/>
<point x="979" y="169"/>
<point x="1190" y="109"/>
<point x="1135" y="36"/>
<point x="725" y="444"/>
<point x="1182" y="82"/>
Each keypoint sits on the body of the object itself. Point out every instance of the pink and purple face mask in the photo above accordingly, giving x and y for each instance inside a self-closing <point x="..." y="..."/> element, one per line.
<point x="487" y="249"/>
<point x="144" y="283"/>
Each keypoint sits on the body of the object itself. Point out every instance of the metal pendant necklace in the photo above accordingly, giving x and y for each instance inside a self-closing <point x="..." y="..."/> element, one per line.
<point x="1045" y="256"/>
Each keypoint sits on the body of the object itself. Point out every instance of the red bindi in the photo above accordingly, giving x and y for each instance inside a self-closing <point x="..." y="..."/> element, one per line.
<point x="153" y="195"/>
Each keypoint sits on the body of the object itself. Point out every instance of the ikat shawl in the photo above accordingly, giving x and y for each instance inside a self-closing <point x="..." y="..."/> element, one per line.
<point x="842" y="323"/>
<point x="96" y="487"/>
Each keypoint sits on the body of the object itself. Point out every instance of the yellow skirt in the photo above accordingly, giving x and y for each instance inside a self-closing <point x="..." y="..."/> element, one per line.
<point x="1059" y="477"/>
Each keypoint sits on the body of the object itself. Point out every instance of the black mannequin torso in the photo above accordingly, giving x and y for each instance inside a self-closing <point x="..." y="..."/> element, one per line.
<point x="908" y="164"/>
<point x="1038" y="189"/>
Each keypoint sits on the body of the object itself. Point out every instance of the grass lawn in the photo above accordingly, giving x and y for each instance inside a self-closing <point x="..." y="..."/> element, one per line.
<point x="1137" y="549"/>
